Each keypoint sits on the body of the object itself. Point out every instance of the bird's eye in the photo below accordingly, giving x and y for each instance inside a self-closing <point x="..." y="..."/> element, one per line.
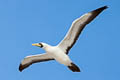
<point x="41" y="45"/>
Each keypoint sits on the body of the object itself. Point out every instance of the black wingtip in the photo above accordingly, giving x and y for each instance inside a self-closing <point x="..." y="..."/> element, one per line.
<point x="100" y="9"/>
<point x="104" y="7"/>
<point x="21" y="68"/>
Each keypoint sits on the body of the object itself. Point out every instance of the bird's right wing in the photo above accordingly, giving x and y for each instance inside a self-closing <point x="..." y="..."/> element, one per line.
<point x="27" y="61"/>
<point x="76" y="28"/>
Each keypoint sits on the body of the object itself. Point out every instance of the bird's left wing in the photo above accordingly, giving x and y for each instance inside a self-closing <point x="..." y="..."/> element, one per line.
<point x="76" y="28"/>
<point x="27" y="61"/>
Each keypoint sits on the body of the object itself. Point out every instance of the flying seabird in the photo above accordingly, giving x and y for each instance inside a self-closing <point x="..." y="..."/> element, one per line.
<point x="60" y="52"/>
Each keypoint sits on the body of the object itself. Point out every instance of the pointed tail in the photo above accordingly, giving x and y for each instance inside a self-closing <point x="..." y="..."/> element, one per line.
<point x="74" y="68"/>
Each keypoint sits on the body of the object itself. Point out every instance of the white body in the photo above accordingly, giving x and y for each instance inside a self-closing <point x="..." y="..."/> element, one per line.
<point x="58" y="54"/>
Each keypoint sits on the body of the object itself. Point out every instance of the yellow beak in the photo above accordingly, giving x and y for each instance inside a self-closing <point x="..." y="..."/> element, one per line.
<point x="36" y="44"/>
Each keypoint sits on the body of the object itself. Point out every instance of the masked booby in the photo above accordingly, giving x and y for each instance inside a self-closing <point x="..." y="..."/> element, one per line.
<point x="59" y="52"/>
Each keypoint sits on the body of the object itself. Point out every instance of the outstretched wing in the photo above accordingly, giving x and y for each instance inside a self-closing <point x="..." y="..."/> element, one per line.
<point x="29" y="60"/>
<point x="76" y="28"/>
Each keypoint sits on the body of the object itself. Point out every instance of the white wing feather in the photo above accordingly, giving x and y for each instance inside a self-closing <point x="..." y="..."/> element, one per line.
<point x="76" y="28"/>
<point x="27" y="61"/>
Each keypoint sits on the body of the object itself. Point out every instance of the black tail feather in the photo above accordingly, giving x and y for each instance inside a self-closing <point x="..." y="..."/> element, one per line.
<point x="74" y="68"/>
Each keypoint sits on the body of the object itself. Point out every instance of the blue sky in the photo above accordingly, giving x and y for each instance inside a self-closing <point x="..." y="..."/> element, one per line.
<point x="23" y="22"/>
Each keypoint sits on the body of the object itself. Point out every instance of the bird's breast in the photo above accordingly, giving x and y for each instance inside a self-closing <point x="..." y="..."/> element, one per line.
<point x="59" y="56"/>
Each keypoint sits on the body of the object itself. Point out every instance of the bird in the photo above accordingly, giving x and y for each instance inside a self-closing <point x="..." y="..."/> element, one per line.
<point x="60" y="51"/>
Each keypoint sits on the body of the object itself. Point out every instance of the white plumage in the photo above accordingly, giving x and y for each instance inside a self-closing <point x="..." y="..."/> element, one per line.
<point x="59" y="52"/>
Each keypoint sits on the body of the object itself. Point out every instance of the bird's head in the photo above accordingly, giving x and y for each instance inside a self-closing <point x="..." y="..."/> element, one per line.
<point x="41" y="45"/>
